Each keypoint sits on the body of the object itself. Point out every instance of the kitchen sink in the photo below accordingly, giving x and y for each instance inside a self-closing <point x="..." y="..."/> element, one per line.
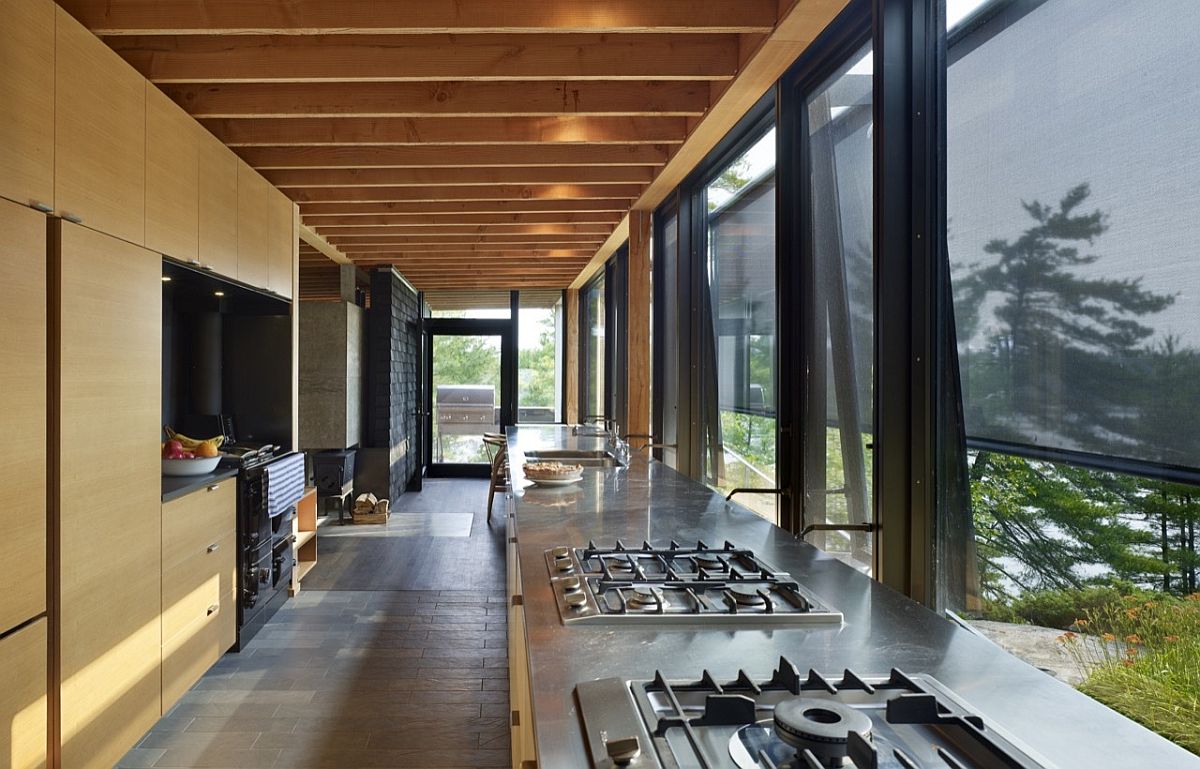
<point x="596" y="458"/>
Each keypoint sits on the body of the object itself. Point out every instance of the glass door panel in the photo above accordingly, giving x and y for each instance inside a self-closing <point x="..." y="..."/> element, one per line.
<point x="466" y="396"/>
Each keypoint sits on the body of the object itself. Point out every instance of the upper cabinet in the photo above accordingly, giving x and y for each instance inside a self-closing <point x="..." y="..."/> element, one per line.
<point x="99" y="134"/>
<point x="283" y="244"/>
<point x="27" y="96"/>
<point x="172" y="178"/>
<point x="218" y="206"/>
<point x="253" y="227"/>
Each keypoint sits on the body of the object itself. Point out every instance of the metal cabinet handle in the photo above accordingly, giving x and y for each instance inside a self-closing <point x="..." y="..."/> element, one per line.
<point x="194" y="261"/>
<point x="73" y="218"/>
<point x="214" y="547"/>
<point x="207" y="267"/>
<point x="213" y="609"/>
<point x="40" y="206"/>
<point x="214" y="487"/>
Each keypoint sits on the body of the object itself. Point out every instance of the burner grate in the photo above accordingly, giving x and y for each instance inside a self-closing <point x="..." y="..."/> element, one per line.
<point x="689" y="708"/>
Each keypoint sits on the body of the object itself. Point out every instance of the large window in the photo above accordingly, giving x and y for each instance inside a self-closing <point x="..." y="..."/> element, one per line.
<point x="1072" y="182"/>
<point x="539" y="361"/>
<point x="739" y="399"/>
<point x="839" y="416"/>
<point x="592" y="335"/>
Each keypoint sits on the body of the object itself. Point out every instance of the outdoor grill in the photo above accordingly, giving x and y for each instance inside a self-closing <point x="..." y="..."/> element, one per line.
<point x="465" y="410"/>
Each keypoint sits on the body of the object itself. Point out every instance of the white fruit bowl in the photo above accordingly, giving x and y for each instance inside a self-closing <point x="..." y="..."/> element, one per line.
<point x="197" y="466"/>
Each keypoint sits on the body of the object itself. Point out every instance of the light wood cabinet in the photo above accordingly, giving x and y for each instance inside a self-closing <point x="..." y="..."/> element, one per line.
<point x="23" y="706"/>
<point x="253" y="227"/>
<point x="172" y="178"/>
<point x="23" y="415"/>
<point x="109" y="503"/>
<point x="199" y="564"/>
<point x="283" y="246"/>
<point x="27" y="96"/>
<point x="99" y="134"/>
<point x="218" y="206"/>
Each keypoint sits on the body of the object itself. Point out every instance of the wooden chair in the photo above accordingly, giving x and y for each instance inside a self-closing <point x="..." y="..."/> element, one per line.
<point x="496" y="446"/>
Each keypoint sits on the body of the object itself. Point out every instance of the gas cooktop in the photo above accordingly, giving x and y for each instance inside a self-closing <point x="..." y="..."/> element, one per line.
<point x="678" y="585"/>
<point x="791" y="721"/>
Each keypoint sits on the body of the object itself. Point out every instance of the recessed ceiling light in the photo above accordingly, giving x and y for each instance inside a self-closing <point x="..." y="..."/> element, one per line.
<point x="218" y="293"/>
<point x="166" y="278"/>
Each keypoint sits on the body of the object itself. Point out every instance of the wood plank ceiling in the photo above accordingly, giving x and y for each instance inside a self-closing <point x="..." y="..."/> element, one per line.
<point x="470" y="143"/>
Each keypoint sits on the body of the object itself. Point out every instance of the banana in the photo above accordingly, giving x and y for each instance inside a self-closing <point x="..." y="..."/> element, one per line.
<point x="190" y="444"/>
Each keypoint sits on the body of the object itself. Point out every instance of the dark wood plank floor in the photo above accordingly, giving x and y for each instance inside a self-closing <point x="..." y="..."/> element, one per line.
<point x="356" y="675"/>
<point x="438" y="539"/>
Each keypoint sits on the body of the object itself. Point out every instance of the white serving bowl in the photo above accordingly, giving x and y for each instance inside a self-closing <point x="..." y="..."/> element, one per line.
<point x="197" y="466"/>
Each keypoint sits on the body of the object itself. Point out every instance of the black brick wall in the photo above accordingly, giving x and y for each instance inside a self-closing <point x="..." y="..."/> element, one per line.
<point x="393" y="365"/>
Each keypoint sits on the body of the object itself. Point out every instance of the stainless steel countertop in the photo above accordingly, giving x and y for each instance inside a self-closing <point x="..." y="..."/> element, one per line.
<point x="883" y="629"/>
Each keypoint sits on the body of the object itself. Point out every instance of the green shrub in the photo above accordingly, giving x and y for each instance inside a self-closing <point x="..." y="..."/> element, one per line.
<point x="1142" y="658"/>
<point x="1060" y="608"/>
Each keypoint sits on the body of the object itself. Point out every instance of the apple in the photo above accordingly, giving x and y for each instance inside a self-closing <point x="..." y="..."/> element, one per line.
<point x="172" y="449"/>
<point x="187" y="455"/>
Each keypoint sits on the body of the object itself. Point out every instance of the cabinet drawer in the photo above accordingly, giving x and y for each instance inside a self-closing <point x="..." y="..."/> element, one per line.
<point x="191" y="588"/>
<point x="193" y="650"/>
<point x="192" y="523"/>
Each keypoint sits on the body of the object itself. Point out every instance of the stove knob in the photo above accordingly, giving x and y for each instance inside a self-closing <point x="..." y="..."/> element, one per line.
<point x="563" y="564"/>
<point x="622" y="751"/>
<point x="561" y="552"/>
<point x="576" y="600"/>
<point x="571" y="584"/>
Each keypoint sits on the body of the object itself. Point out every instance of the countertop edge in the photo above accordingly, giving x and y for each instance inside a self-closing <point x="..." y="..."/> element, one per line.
<point x="176" y="486"/>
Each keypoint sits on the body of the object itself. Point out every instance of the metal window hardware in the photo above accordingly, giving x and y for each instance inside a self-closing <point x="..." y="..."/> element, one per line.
<point x="751" y="490"/>
<point x="868" y="527"/>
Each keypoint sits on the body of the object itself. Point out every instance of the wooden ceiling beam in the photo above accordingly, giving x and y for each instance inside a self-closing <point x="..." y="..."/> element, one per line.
<point x="342" y="131"/>
<point x="766" y="59"/>
<point x="461" y="221"/>
<point x="601" y="230"/>
<point x="189" y="17"/>
<point x="447" y="194"/>
<point x="454" y="156"/>
<point x="427" y="58"/>
<point x="474" y="207"/>
<point x="452" y="246"/>
<point x="467" y="251"/>
<point x="444" y="99"/>
<point x="456" y="177"/>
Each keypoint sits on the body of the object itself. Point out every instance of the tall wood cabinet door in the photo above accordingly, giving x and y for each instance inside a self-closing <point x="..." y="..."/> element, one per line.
<point x="283" y="244"/>
<point x="23" y="415"/>
<point x="27" y="93"/>
<point x="218" y="206"/>
<point x="110" y="523"/>
<point x="172" y="178"/>
<point x="99" y="135"/>
<point x="23" y="698"/>
<point x="254" y="228"/>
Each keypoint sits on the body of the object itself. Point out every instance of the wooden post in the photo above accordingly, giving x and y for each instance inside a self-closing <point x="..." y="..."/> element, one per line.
<point x="638" y="336"/>
<point x="571" y="358"/>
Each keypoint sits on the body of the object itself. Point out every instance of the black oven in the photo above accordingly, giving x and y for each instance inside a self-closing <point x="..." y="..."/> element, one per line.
<point x="265" y="557"/>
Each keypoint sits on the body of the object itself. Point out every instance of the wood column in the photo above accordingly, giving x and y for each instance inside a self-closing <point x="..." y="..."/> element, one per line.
<point x="638" y="336"/>
<point x="571" y="357"/>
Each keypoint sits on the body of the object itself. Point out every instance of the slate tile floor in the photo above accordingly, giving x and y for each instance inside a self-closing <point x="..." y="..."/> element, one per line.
<point x="358" y="678"/>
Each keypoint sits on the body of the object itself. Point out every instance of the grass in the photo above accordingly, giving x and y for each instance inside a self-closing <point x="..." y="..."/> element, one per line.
<point x="1142" y="658"/>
